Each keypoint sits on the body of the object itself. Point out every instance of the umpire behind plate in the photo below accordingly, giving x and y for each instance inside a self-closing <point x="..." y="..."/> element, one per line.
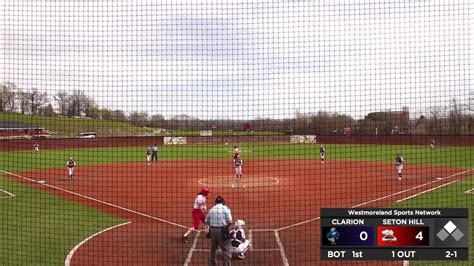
<point x="219" y="218"/>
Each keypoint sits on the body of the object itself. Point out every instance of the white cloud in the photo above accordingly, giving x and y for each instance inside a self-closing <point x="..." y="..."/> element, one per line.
<point x="260" y="59"/>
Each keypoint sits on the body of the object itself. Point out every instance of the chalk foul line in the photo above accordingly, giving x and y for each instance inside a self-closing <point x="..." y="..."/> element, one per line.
<point x="9" y="194"/>
<point x="426" y="191"/>
<point x="97" y="200"/>
<point x="68" y="260"/>
<point x="192" y="249"/>
<point x="379" y="199"/>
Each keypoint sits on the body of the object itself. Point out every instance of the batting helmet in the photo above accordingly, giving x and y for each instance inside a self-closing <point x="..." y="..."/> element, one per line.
<point x="205" y="191"/>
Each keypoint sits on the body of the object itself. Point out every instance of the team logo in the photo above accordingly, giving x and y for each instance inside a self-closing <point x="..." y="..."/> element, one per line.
<point x="333" y="236"/>
<point x="388" y="236"/>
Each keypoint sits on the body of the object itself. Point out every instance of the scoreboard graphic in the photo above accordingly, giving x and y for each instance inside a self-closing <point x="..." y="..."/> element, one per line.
<point x="394" y="234"/>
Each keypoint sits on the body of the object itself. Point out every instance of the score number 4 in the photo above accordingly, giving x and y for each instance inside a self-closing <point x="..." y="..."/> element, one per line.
<point x="419" y="236"/>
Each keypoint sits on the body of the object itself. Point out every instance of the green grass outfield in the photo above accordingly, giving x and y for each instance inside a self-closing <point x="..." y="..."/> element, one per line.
<point x="39" y="227"/>
<point x="67" y="126"/>
<point x="447" y="197"/>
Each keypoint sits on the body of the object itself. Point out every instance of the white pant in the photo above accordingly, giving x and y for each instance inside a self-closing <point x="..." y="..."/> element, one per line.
<point x="238" y="170"/>
<point x="242" y="248"/>
<point x="148" y="158"/>
<point x="71" y="171"/>
<point x="399" y="168"/>
<point x="322" y="155"/>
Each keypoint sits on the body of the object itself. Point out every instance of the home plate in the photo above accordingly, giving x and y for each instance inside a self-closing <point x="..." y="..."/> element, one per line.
<point x="42" y="181"/>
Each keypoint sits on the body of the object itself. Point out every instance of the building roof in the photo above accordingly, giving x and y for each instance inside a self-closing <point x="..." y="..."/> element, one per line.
<point x="9" y="125"/>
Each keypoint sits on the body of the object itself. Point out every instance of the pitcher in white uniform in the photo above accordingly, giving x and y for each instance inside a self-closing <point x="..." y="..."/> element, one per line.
<point x="238" y="162"/>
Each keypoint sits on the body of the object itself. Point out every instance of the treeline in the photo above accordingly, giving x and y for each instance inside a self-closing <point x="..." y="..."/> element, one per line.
<point x="454" y="118"/>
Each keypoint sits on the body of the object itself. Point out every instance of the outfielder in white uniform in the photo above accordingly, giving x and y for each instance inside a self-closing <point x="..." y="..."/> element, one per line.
<point x="399" y="161"/>
<point x="70" y="167"/>
<point x="432" y="144"/>
<point x="36" y="147"/>
<point x="322" y="153"/>
<point x="238" y="162"/>
<point x="240" y="244"/>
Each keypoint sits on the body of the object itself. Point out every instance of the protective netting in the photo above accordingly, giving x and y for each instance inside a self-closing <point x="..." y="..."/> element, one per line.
<point x="280" y="107"/>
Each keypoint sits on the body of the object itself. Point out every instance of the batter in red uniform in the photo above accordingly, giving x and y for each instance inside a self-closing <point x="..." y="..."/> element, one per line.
<point x="199" y="212"/>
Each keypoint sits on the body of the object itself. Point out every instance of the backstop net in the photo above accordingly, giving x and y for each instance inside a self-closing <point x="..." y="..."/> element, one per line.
<point x="245" y="132"/>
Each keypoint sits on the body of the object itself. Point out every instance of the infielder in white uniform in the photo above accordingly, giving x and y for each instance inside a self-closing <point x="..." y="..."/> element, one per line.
<point x="240" y="244"/>
<point x="399" y="161"/>
<point x="148" y="156"/>
<point x="70" y="167"/>
<point x="238" y="162"/>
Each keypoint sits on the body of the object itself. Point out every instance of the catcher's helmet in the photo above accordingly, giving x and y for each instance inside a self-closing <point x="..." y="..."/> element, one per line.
<point x="219" y="199"/>
<point x="205" y="191"/>
<point x="239" y="223"/>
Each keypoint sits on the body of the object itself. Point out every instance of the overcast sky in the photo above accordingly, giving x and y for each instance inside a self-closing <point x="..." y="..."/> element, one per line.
<point x="243" y="59"/>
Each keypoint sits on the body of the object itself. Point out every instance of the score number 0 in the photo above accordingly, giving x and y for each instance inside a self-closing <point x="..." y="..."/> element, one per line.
<point x="364" y="235"/>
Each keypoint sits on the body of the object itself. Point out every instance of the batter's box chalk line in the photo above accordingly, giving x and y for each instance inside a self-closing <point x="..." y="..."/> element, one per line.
<point x="252" y="246"/>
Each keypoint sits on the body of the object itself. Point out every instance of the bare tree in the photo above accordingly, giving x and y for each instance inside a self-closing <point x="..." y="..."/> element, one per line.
<point x="470" y="102"/>
<point x="36" y="100"/>
<point x="47" y="110"/>
<point x="90" y="108"/>
<point x="79" y="103"/>
<point x="156" y="120"/>
<point x="23" y="99"/>
<point x="455" y="117"/>
<point x="7" y="97"/>
<point x="62" y="100"/>
<point x="437" y="115"/>
<point x="106" y="114"/>
<point x="76" y="106"/>
<point x="93" y="112"/>
<point x="138" y="118"/>
<point x="119" y="115"/>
